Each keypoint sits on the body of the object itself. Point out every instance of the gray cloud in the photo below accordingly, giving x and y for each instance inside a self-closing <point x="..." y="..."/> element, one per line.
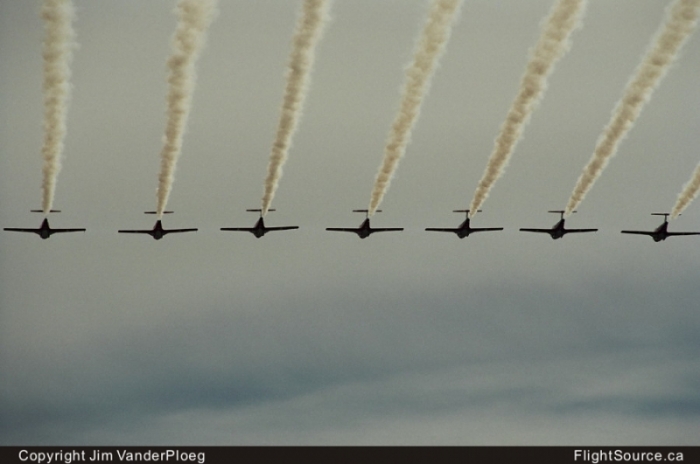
<point x="418" y="354"/>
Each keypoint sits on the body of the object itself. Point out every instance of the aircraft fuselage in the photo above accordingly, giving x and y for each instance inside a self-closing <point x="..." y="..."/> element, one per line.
<point x="464" y="229"/>
<point x="44" y="231"/>
<point x="259" y="229"/>
<point x="364" y="230"/>
<point x="157" y="232"/>
<point x="660" y="233"/>
<point x="558" y="231"/>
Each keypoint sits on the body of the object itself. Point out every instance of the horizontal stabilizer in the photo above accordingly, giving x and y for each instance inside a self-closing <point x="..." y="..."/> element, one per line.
<point x="465" y="210"/>
<point x="41" y="211"/>
<point x="156" y="212"/>
<point x="558" y="211"/>
<point x="661" y="214"/>
<point x="365" y="211"/>
<point x="258" y="210"/>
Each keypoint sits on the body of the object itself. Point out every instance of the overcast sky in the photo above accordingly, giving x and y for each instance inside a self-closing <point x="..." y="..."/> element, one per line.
<point x="313" y="337"/>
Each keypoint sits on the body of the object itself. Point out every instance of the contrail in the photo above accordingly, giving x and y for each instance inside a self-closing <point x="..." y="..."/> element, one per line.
<point x="194" y="18"/>
<point x="690" y="191"/>
<point x="58" y="16"/>
<point x="314" y="16"/>
<point x="429" y="48"/>
<point x="681" y="18"/>
<point x="552" y="45"/>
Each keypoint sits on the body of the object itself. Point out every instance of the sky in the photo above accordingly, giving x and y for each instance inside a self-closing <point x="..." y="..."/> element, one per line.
<point x="319" y="338"/>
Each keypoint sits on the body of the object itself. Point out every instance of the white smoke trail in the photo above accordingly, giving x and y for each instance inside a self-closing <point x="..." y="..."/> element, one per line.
<point x="58" y="16"/>
<point x="312" y="19"/>
<point x="681" y="18"/>
<point x="429" y="48"/>
<point x="690" y="191"/>
<point x="552" y="45"/>
<point x="194" y="18"/>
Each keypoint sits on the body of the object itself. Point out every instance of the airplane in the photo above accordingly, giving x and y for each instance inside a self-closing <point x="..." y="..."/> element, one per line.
<point x="157" y="232"/>
<point x="558" y="230"/>
<point x="259" y="228"/>
<point x="464" y="229"/>
<point x="44" y="231"/>
<point x="364" y="230"/>
<point x="661" y="232"/>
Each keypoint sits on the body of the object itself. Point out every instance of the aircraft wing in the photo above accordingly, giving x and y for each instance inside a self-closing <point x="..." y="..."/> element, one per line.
<point x="268" y="229"/>
<point x="485" y="229"/>
<point x="15" y="229"/>
<point x="682" y="233"/>
<point x="342" y="229"/>
<point x="242" y="229"/>
<point x="174" y="231"/>
<point x="435" y="229"/>
<point x="66" y="230"/>
<point x="387" y="229"/>
<point x="135" y="231"/>
<point x="580" y="230"/>
<point x="638" y="232"/>
<point x="542" y="231"/>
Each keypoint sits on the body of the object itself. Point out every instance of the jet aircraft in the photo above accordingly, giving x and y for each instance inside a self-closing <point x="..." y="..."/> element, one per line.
<point x="44" y="231"/>
<point x="464" y="229"/>
<point x="259" y="228"/>
<point x="660" y="233"/>
<point x="157" y="232"/>
<point x="558" y="230"/>
<point x="364" y="230"/>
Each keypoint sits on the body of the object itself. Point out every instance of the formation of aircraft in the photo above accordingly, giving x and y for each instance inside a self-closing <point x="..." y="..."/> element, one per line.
<point x="364" y="230"/>
<point x="558" y="230"/>
<point x="259" y="228"/>
<point x="464" y="229"/>
<point x="660" y="233"/>
<point x="44" y="231"/>
<point x="157" y="232"/>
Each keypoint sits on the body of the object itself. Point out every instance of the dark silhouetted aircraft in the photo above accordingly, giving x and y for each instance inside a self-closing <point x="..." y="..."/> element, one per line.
<point x="157" y="232"/>
<point x="558" y="230"/>
<point x="259" y="228"/>
<point x="44" y="231"/>
<point x="365" y="230"/>
<point x="464" y="229"/>
<point x="660" y="233"/>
